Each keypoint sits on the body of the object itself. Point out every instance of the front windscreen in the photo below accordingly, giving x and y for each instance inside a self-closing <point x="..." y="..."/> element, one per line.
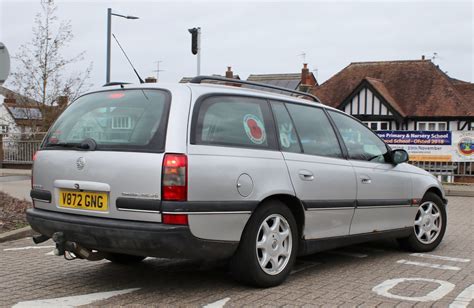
<point x="116" y="120"/>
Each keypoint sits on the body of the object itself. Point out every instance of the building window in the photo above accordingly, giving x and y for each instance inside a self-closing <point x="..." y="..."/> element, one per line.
<point x="431" y="126"/>
<point x="3" y="129"/>
<point x="121" y="123"/>
<point x="378" y="125"/>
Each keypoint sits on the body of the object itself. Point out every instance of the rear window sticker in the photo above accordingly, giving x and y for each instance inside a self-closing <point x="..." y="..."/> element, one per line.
<point x="285" y="135"/>
<point x="254" y="129"/>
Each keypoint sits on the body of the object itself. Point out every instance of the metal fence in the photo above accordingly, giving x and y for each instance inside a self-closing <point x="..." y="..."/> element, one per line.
<point x="18" y="148"/>
<point x="446" y="171"/>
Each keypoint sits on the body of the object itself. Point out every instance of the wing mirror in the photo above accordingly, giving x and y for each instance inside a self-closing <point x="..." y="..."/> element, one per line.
<point x="399" y="156"/>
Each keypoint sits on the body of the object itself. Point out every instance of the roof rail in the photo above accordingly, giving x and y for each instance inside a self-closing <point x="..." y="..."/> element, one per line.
<point x="115" y="83"/>
<point x="199" y="79"/>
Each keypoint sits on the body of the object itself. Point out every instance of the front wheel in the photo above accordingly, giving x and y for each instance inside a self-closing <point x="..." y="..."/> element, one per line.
<point x="268" y="246"/>
<point x="429" y="225"/>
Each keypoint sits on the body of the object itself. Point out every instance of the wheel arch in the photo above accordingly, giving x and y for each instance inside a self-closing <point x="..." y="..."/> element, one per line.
<point x="294" y="204"/>
<point x="436" y="191"/>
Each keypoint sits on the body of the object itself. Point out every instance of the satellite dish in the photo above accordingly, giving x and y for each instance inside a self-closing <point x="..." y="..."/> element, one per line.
<point x="4" y="63"/>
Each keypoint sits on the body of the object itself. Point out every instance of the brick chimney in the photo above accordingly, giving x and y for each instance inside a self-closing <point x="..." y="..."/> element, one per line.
<point x="422" y="57"/>
<point x="9" y="101"/>
<point x="305" y="82"/>
<point x="229" y="73"/>
<point x="304" y="74"/>
<point x="151" y="79"/>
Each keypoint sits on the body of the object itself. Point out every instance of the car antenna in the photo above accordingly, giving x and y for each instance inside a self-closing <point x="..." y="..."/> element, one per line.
<point x="139" y="78"/>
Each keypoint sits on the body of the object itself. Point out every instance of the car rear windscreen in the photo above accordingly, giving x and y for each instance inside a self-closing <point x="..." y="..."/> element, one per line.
<point x="128" y="120"/>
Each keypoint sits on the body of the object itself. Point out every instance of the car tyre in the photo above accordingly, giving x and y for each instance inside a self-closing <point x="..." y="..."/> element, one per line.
<point x="268" y="247"/>
<point x="429" y="225"/>
<point x="124" y="259"/>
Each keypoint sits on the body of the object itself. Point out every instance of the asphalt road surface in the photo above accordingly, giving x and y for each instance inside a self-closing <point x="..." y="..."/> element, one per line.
<point x="373" y="274"/>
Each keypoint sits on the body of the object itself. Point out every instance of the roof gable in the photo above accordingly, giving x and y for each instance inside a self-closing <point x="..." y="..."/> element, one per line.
<point x="371" y="97"/>
<point x="415" y="88"/>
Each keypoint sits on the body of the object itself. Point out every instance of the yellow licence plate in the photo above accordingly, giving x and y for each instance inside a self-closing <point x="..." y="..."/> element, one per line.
<point x="85" y="200"/>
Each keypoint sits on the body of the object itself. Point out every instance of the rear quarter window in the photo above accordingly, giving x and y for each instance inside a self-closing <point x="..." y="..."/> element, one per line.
<point x="233" y="121"/>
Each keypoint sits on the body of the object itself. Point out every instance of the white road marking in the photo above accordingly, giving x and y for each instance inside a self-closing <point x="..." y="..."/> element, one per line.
<point x="425" y="255"/>
<point x="72" y="301"/>
<point x="432" y="265"/>
<point x="464" y="298"/>
<point x="51" y="253"/>
<point x="219" y="304"/>
<point x="305" y="267"/>
<point x="348" y="254"/>
<point x="443" y="289"/>
<point x="27" y="247"/>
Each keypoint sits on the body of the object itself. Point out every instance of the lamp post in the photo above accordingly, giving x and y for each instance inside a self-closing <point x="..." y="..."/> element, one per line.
<point x="109" y="33"/>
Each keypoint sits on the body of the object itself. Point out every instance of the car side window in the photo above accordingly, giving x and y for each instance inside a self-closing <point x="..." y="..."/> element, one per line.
<point x="285" y="130"/>
<point x="316" y="134"/>
<point x="361" y="142"/>
<point x="234" y="121"/>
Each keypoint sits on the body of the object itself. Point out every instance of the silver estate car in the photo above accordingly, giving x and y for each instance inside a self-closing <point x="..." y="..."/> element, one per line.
<point x="211" y="171"/>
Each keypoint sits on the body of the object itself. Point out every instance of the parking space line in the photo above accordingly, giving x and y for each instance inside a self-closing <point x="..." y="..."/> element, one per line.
<point x="348" y="254"/>
<point x="464" y="298"/>
<point x="425" y="255"/>
<point x="431" y="265"/>
<point x="27" y="247"/>
<point x="218" y="304"/>
<point x="383" y="289"/>
<point x="72" y="301"/>
<point x="51" y="253"/>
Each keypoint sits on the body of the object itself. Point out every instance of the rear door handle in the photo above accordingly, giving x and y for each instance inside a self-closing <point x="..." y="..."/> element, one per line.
<point x="306" y="175"/>
<point x="366" y="180"/>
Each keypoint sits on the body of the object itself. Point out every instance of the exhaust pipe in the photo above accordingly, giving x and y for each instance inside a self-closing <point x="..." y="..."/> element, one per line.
<point x="63" y="246"/>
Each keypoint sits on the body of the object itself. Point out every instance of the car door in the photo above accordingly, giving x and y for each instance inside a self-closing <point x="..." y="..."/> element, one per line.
<point x="321" y="177"/>
<point x="384" y="190"/>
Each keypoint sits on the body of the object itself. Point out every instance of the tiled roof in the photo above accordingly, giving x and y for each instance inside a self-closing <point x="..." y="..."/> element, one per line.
<point x="288" y="81"/>
<point x="466" y="89"/>
<point x="380" y="87"/>
<point x="18" y="97"/>
<point x="22" y="108"/>
<point x="414" y="88"/>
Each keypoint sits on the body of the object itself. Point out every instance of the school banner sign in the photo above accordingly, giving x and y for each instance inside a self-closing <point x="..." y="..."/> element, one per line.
<point x="455" y="146"/>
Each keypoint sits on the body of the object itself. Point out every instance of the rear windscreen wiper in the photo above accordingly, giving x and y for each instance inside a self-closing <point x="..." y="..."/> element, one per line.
<point x="87" y="144"/>
<point x="64" y="145"/>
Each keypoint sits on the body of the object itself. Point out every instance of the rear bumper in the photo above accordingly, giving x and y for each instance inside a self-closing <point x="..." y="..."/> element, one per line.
<point x="129" y="237"/>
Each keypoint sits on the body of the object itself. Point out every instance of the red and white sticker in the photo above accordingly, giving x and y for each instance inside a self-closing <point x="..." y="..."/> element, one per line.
<point x="254" y="129"/>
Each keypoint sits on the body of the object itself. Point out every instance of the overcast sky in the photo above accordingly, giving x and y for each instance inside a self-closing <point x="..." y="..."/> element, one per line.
<point x="256" y="36"/>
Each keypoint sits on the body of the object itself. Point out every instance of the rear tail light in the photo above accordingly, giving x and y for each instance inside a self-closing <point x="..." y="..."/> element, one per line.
<point x="175" y="219"/>
<point x="174" y="178"/>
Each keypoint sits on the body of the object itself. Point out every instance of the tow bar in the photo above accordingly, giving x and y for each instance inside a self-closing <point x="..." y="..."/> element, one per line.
<point x="70" y="250"/>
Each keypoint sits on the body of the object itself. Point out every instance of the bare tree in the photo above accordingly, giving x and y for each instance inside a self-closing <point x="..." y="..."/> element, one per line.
<point x="40" y="68"/>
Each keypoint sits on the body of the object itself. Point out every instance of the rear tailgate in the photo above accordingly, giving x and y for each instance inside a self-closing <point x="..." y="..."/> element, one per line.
<point x="103" y="156"/>
<point x="128" y="182"/>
